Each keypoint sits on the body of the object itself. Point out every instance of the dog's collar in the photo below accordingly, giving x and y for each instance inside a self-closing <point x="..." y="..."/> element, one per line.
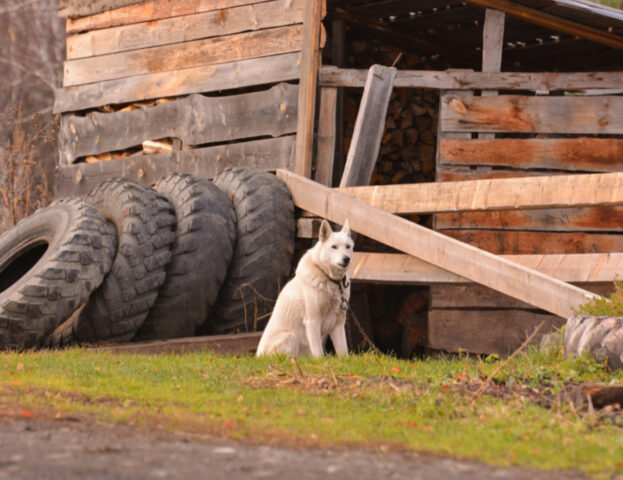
<point x="342" y="282"/>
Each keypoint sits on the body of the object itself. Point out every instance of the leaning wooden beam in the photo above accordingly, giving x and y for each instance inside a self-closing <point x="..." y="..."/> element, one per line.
<point x="482" y="267"/>
<point x="369" y="125"/>
<point x="467" y="80"/>
<point x="604" y="189"/>
<point x="552" y="22"/>
<point x="406" y="269"/>
<point x="267" y="154"/>
<point x="204" y="79"/>
<point x="310" y="63"/>
<point x="195" y="120"/>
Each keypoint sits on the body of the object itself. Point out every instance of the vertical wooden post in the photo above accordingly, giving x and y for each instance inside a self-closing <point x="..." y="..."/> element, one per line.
<point x="310" y="63"/>
<point x="492" y="44"/>
<point x="325" y="154"/>
<point x="369" y="126"/>
<point x="338" y="42"/>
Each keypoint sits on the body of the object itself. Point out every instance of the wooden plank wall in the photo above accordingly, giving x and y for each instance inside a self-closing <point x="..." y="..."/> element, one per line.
<point x="170" y="74"/>
<point x="534" y="135"/>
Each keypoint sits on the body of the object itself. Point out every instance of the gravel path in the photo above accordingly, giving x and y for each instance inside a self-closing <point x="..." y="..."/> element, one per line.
<point x="67" y="449"/>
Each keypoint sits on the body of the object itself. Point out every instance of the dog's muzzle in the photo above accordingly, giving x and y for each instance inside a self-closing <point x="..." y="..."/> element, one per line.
<point x="345" y="262"/>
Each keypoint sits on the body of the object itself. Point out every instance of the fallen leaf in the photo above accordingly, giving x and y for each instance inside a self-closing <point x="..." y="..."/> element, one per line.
<point x="445" y="387"/>
<point x="395" y="369"/>
<point x="240" y="398"/>
<point x="15" y="382"/>
<point x="230" y="424"/>
<point x="426" y="427"/>
<point x="411" y="424"/>
<point x="513" y="454"/>
<point x="27" y="414"/>
<point x="20" y="367"/>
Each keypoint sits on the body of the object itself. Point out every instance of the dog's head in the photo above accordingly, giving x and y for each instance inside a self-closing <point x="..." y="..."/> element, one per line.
<point x="335" y="248"/>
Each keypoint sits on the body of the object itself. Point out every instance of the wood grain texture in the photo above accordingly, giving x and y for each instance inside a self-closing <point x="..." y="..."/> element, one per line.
<point x="310" y="63"/>
<point x="148" y="11"/>
<point x="195" y="53"/>
<point x="604" y="189"/>
<point x="492" y="46"/>
<point x="469" y="80"/>
<point x="521" y="242"/>
<point x="194" y="119"/>
<point x="433" y="247"/>
<point x="327" y="131"/>
<point x="459" y="173"/>
<point x="81" y="8"/>
<point x="204" y="79"/>
<point x="570" y="154"/>
<point x="396" y="268"/>
<point x="514" y="113"/>
<point x="267" y="154"/>
<point x="589" y="219"/>
<point x="486" y="331"/>
<point x="185" y="28"/>
<point x="477" y="296"/>
<point x="369" y="125"/>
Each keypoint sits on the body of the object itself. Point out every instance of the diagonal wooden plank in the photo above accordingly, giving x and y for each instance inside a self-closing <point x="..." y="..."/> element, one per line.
<point x="604" y="189"/>
<point x="369" y="125"/>
<point x="406" y="269"/>
<point x="482" y="267"/>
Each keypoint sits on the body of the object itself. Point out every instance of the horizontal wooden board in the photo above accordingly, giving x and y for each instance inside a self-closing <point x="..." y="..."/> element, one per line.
<point x="194" y="119"/>
<point x="515" y="113"/>
<point x="459" y="173"/>
<point x="148" y="11"/>
<point x="465" y="80"/>
<point x="235" y="344"/>
<point x="495" y="194"/>
<point x="81" y="8"/>
<point x="396" y="268"/>
<point x="204" y="79"/>
<point x="272" y="41"/>
<point x="477" y="296"/>
<point x="486" y="331"/>
<point x="583" y="154"/>
<point x="520" y="243"/>
<point x="267" y="154"/>
<point x="589" y="219"/>
<point x="186" y="28"/>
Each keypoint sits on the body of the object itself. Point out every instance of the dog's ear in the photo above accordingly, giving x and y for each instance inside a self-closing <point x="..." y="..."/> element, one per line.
<point x="325" y="231"/>
<point x="346" y="228"/>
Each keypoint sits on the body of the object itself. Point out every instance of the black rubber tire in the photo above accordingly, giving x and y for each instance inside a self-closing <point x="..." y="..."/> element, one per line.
<point x="203" y="248"/>
<point x="262" y="258"/>
<point x="145" y="224"/>
<point x="50" y="263"/>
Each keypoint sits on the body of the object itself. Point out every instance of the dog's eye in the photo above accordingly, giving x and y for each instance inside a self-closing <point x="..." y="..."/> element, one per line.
<point x="334" y="247"/>
<point x="348" y="247"/>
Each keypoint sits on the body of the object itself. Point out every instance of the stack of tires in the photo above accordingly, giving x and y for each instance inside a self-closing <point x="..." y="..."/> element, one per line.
<point x="129" y="262"/>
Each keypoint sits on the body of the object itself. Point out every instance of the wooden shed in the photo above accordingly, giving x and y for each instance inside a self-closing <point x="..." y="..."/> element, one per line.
<point x="524" y="88"/>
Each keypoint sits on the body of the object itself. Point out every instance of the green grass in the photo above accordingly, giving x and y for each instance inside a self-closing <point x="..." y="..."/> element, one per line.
<point x="367" y="401"/>
<point x="609" y="307"/>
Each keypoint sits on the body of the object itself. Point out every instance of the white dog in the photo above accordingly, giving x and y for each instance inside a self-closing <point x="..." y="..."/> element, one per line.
<point x="313" y="304"/>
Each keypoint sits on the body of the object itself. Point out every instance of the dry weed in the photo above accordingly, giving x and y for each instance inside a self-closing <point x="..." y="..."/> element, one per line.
<point x="23" y="181"/>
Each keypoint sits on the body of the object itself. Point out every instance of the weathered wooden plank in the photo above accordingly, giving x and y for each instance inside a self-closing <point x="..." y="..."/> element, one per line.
<point x="272" y="41"/>
<point x="204" y="79"/>
<point x="514" y="113"/>
<point x="477" y="296"/>
<point x="604" y="189"/>
<point x="459" y="173"/>
<point x="521" y="242"/>
<point x="500" y="274"/>
<point x="267" y="154"/>
<point x="327" y="129"/>
<point x="236" y="344"/>
<point x="369" y="125"/>
<point x="395" y="268"/>
<point x="469" y="80"/>
<point x="583" y="154"/>
<point x="492" y="43"/>
<point x="81" y="8"/>
<point x="149" y="11"/>
<point x="590" y="219"/>
<point x="186" y="28"/>
<point x="194" y="119"/>
<point x="553" y="22"/>
<point x="310" y="63"/>
<point x="486" y="331"/>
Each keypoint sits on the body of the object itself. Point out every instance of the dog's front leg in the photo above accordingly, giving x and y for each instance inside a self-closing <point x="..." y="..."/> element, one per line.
<point x="338" y="336"/>
<point x="314" y="337"/>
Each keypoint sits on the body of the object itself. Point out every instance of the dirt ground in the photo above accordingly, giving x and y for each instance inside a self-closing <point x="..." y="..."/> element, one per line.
<point x="72" y="448"/>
